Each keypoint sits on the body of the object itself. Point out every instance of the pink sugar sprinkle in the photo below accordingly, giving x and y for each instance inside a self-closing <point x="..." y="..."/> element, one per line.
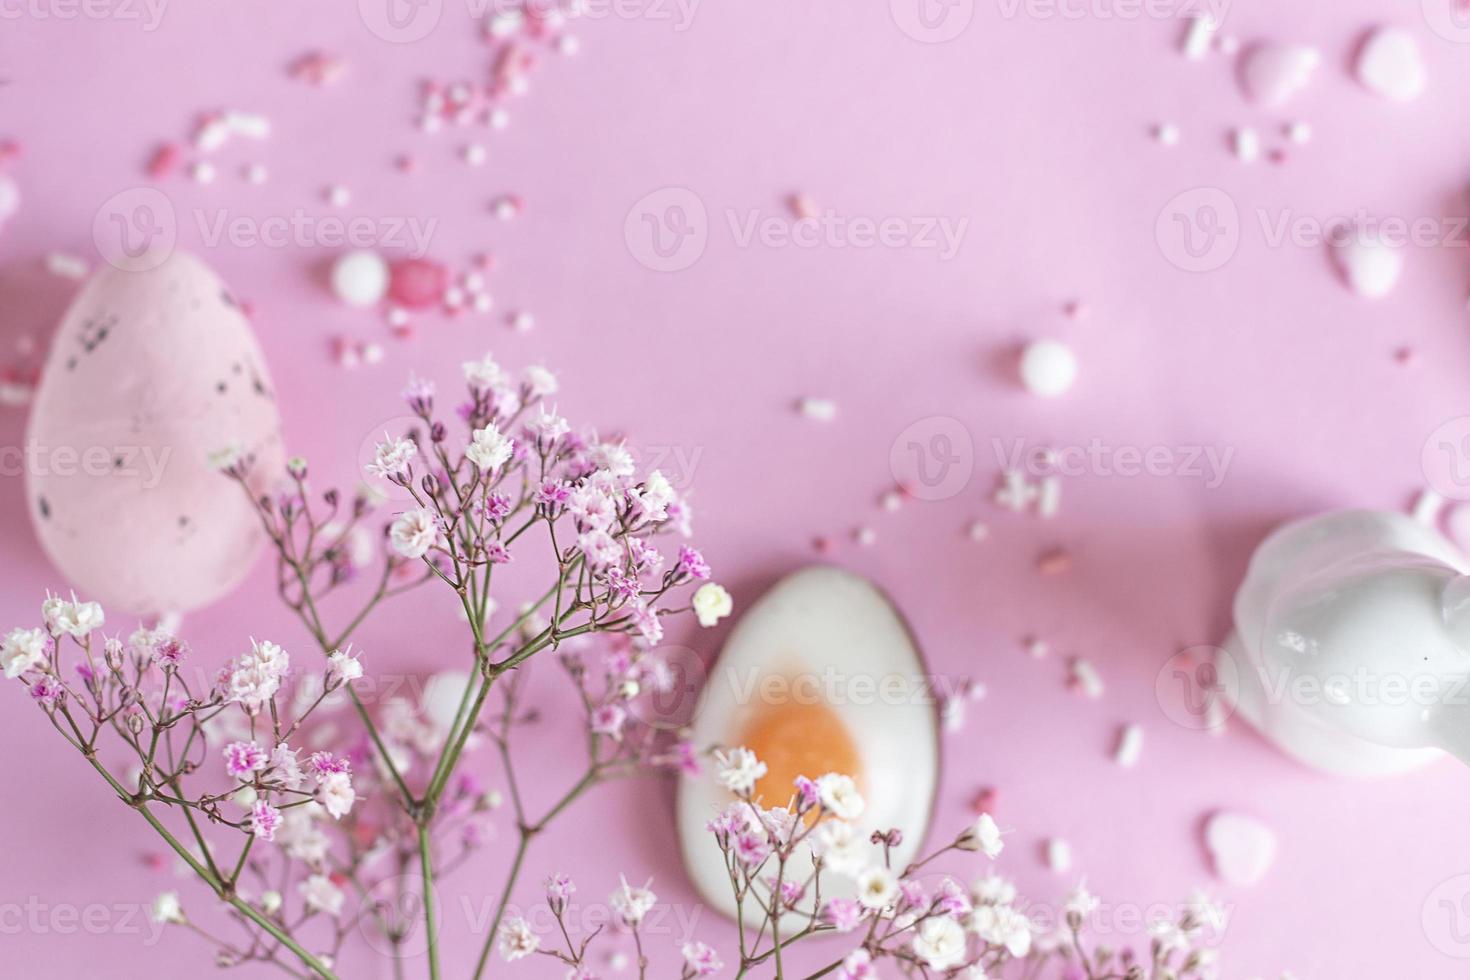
<point x="406" y="164"/>
<point x="1054" y="562"/>
<point x="1076" y="310"/>
<point x="317" y="68"/>
<point x="507" y="207"/>
<point x="1405" y="356"/>
<point x="822" y="545"/>
<point x="9" y="150"/>
<point x="984" y="801"/>
<point x="165" y="161"/>
<point x="803" y="206"/>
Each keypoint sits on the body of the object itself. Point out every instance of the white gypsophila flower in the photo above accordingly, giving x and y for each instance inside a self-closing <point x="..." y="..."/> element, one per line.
<point x="877" y="887"/>
<point x="321" y="895"/>
<point x="343" y="665"/>
<point x="166" y="908"/>
<point x="843" y="848"/>
<point x="540" y="382"/>
<point x="994" y="890"/>
<point x="225" y="457"/>
<point x="738" y="770"/>
<point x="517" y="940"/>
<point x="336" y="794"/>
<point x="23" y="649"/>
<point x="392" y="457"/>
<point x="1002" y="925"/>
<point x="301" y="838"/>
<point x="940" y="942"/>
<point x="655" y="497"/>
<point x="632" y="904"/>
<point x="712" y="603"/>
<point x="1081" y="901"/>
<point x="983" y="835"/>
<point x="78" y="619"/>
<point x="840" y="796"/>
<point x="414" y="532"/>
<point x="483" y="374"/>
<point x="489" y="449"/>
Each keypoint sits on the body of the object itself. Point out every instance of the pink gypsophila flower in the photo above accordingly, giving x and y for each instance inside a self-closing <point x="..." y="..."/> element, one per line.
<point x="244" y="758"/>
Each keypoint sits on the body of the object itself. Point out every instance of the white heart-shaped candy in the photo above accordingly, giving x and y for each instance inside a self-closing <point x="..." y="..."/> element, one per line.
<point x="1273" y="73"/>
<point x="1241" y="848"/>
<point x="1389" y="64"/>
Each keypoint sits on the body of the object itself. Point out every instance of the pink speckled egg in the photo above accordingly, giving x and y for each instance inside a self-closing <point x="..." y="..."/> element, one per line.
<point x="149" y="374"/>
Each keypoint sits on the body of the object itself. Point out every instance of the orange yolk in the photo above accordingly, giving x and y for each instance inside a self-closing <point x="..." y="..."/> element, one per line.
<point x="796" y="739"/>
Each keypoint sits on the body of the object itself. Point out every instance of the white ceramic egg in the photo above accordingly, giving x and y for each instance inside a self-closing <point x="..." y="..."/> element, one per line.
<point x="827" y="643"/>
<point x="149" y="374"/>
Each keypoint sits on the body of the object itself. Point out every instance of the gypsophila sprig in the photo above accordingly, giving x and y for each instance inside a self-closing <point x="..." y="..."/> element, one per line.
<point x="305" y="834"/>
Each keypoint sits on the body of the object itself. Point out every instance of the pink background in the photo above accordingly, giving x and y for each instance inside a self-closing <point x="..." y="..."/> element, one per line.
<point x="1037" y="130"/>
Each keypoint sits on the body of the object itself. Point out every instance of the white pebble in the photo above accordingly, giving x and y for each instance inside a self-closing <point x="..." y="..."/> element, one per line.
<point x="1247" y="144"/>
<point x="1048" y="368"/>
<point x="360" y="278"/>
<point x="1059" y="855"/>
<point x="1130" y="746"/>
<point x="818" y="409"/>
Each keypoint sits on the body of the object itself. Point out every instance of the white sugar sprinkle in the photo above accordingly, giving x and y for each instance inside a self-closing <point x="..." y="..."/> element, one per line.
<point x="1167" y="134"/>
<point x="1086" y="679"/>
<point x="1247" y="144"/>
<point x="1059" y="855"/>
<point x="1130" y="746"/>
<point x="1197" y="36"/>
<point x="978" y="531"/>
<point x="66" y="266"/>
<point x="818" y="409"/>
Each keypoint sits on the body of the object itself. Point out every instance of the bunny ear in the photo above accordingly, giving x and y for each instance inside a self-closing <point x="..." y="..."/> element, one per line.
<point x="1454" y="605"/>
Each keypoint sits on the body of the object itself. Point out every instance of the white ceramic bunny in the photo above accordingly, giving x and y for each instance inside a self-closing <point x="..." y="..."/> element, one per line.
<point x="1352" y="643"/>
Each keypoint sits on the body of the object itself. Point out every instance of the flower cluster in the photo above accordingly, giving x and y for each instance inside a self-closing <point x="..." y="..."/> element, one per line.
<point x="295" y="825"/>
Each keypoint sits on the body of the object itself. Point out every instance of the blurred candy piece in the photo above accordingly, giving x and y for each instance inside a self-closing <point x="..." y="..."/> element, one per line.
<point x="360" y="278"/>
<point x="417" y="283"/>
